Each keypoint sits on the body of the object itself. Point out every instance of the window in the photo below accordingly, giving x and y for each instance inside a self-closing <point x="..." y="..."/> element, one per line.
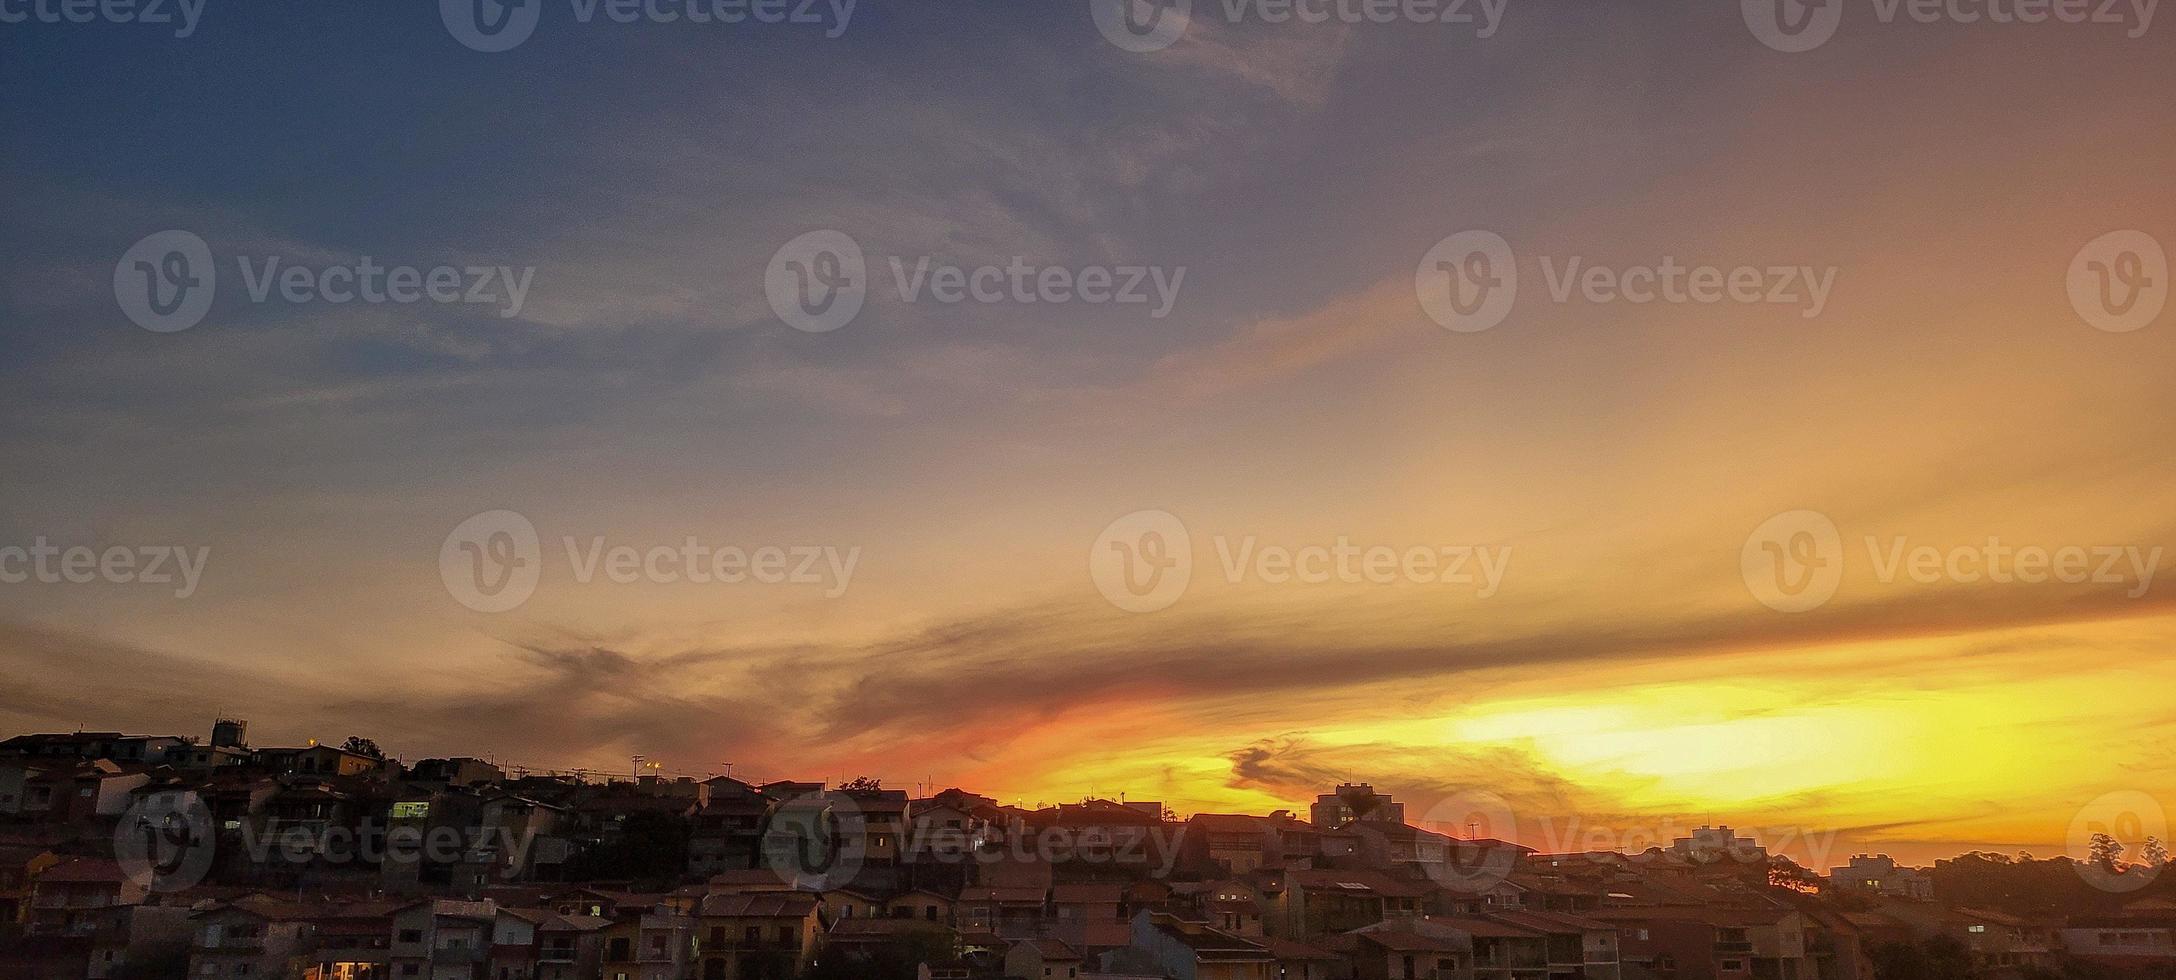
<point x="1975" y="928"/>
<point x="1733" y="966"/>
<point x="411" y="935"/>
<point x="754" y="935"/>
<point x="788" y="935"/>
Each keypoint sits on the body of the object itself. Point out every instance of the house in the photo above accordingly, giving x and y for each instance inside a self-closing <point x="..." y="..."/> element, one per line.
<point x="1011" y="911"/>
<point x="2128" y="940"/>
<point x="520" y="839"/>
<point x="140" y="750"/>
<point x="569" y="947"/>
<point x="138" y="940"/>
<point x="758" y="936"/>
<point x="2001" y="940"/>
<point x="441" y="939"/>
<point x="1086" y="902"/>
<point x="80" y="795"/>
<point x="1399" y="954"/>
<point x="1501" y="951"/>
<point x="65" y="898"/>
<point x="1354" y="801"/>
<point x="1710" y="845"/>
<point x="840" y="904"/>
<point x="1042" y="959"/>
<point x="873" y="829"/>
<point x="1236" y="843"/>
<point x="459" y="771"/>
<point x="1576" y="946"/>
<point x="19" y="866"/>
<point x="653" y="943"/>
<point x="1193" y="951"/>
<point x="727" y="832"/>
<point x="15" y="773"/>
<point x="1312" y="902"/>
<point x="354" y="941"/>
<point x="252" y="936"/>
<point x="1300" y="961"/>
<point x="1879" y="874"/>
<point x="316" y="760"/>
<point x="923" y="904"/>
<point x="943" y="827"/>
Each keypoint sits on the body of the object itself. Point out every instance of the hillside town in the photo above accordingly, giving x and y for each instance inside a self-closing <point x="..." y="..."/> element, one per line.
<point x="131" y="856"/>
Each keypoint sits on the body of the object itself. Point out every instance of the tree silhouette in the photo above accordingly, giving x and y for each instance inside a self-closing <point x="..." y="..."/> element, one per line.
<point x="2105" y="853"/>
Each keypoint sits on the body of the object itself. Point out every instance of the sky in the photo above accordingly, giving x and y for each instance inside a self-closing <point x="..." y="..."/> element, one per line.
<point x="1555" y="555"/>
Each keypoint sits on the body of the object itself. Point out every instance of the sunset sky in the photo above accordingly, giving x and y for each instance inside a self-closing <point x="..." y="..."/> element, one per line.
<point x="1622" y="683"/>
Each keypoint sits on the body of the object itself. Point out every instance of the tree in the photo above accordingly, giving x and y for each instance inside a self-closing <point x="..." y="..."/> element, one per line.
<point x="862" y="784"/>
<point x="363" y="746"/>
<point x="2105" y="853"/>
<point x="2153" y="853"/>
